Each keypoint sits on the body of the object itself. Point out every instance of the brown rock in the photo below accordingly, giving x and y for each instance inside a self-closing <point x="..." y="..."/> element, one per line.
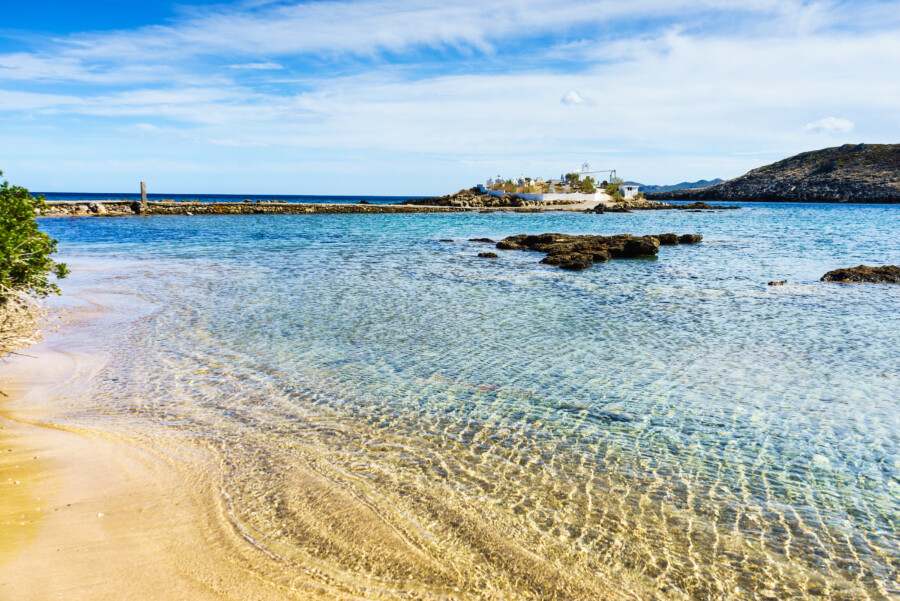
<point x="667" y="239"/>
<point x="570" y="261"/>
<point x="488" y="255"/>
<point x="690" y="238"/>
<point x="778" y="283"/>
<point x="886" y="274"/>
<point x="640" y="247"/>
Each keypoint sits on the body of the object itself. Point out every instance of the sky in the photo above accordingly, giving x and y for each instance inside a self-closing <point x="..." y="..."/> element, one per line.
<point x="388" y="97"/>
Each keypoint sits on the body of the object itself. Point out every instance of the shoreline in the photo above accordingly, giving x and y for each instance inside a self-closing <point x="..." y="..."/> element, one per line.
<point x="97" y="512"/>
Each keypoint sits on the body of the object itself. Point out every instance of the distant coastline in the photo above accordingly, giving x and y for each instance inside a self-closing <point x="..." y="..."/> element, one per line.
<point x="861" y="173"/>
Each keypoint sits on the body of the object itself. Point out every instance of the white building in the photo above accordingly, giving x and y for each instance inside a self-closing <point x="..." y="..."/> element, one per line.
<point x="628" y="190"/>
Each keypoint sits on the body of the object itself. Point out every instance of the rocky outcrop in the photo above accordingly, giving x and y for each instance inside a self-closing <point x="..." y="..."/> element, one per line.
<point x="580" y="252"/>
<point x="628" y="206"/>
<point x="865" y="173"/>
<point x="886" y="274"/>
<point x="488" y="255"/>
<point x="474" y="198"/>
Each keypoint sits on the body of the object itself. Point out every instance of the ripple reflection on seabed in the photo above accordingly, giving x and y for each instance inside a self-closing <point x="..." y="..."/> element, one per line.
<point x="358" y="450"/>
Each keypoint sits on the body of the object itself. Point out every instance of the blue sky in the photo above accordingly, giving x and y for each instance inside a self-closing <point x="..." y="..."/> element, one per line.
<point x="419" y="97"/>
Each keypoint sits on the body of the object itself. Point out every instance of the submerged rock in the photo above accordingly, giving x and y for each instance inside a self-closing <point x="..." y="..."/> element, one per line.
<point x="778" y="283"/>
<point x="487" y="240"/>
<point x="886" y="274"/>
<point x="580" y="252"/>
<point x="488" y="255"/>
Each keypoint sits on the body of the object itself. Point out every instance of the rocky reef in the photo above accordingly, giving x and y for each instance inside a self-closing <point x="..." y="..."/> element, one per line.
<point x="864" y="173"/>
<point x="474" y="198"/>
<point x="122" y="208"/>
<point x="886" y="274"/>
<point x="628" y="206"/>
<point x="576" y="253"/>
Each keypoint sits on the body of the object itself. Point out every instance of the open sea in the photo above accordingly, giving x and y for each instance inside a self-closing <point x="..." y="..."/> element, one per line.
<point x="397" y="418"/>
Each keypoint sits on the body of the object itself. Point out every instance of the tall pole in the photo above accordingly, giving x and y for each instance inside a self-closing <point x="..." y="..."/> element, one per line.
<point x="143" y="197"/>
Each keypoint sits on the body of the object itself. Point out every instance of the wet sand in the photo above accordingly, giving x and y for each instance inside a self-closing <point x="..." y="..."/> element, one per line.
<point x="88" y="514"/>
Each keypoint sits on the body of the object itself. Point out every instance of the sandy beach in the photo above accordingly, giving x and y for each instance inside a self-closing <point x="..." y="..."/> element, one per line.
<point x="90" y="513"/>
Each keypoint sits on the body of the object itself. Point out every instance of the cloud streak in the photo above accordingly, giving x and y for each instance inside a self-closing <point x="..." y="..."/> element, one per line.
<point x="410" y="87"/>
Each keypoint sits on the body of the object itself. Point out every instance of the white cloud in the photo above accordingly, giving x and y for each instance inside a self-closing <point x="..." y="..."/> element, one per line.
<point x="257" y="66"/>
<point x="575" y="97"/>
<point x="669" y="103"/>
<point x="831" y="125"/>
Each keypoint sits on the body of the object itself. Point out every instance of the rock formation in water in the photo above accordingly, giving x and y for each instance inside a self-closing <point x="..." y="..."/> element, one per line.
<point x="886" y="274"/>
<point x="580" y="252"/>
<point x="628" y="206"/>
<point x="865" y="173"/>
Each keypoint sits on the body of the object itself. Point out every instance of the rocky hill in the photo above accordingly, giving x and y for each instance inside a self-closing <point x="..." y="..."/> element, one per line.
<point x="867" y="173"/>
<point x="703" y="183"/>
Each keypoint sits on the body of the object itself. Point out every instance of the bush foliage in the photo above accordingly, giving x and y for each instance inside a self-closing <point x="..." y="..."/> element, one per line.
<point x="25" y="263"/>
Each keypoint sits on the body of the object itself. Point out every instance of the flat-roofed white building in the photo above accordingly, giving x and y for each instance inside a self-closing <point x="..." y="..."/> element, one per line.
<point x="628" y="191"/>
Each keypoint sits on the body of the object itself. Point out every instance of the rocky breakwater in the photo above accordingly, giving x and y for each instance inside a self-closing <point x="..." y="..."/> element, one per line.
<point x="473" y="198"/>
<point x="580" y="252"/>
<point x="886" y="274"/>
<point x="119" y="208"/>
<point x="628" y="206"/>
<point x="864" y="173"/>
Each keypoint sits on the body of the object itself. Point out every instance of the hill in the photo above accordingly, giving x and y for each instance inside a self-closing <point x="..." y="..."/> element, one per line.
<point x="866" y="173"/>
<point x="703" y="183"/>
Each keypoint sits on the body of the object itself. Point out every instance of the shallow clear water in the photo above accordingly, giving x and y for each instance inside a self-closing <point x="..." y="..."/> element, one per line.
<point x="399" y="418"/>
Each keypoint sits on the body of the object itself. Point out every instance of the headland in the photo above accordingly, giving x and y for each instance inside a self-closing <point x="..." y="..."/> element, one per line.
<point x="860" y="173"/>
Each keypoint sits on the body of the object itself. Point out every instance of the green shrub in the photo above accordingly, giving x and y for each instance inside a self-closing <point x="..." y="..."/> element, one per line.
<point x="25" y="263"/>
<point x="612" y="189"/>
<point x="587" y="185"/>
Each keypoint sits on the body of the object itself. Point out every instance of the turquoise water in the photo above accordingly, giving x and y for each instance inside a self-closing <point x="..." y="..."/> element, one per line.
<point x="401" y="419"/>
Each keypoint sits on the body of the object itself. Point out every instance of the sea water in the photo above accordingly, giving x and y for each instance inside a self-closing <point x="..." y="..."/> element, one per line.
<point x="399" y="418"/>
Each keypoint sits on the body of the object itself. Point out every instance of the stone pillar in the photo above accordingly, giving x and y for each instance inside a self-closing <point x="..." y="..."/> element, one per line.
<point x="142" y="208"/>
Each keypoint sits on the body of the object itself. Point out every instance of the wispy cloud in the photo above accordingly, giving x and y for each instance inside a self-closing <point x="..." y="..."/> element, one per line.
<point x="257" y="66"/>
<point x="831" y="125"/>
<point x="574" y="97"/>
<point x="412" y="89"/>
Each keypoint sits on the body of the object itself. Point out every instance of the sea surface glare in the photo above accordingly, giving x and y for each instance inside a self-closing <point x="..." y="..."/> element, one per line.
<point x="398" y="418"/>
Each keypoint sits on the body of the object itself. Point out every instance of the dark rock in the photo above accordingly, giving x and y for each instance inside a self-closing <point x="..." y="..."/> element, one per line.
<point x="580" y="252"/>
<point x="364" y="202"/>
<point x="641" y="247"/>
<point x="667" y="239"/>
<point x="488" y="255"/>
<point x="700" y="207"/>
<point x="445" y="240"/>
<point x="886" y="274"/>
<point x="778" y="283"/>
<point x="690" y="238"/>
<point x="487" y="240"/>
<point x="513" y="243"/>
<point x="570" y="261"/>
